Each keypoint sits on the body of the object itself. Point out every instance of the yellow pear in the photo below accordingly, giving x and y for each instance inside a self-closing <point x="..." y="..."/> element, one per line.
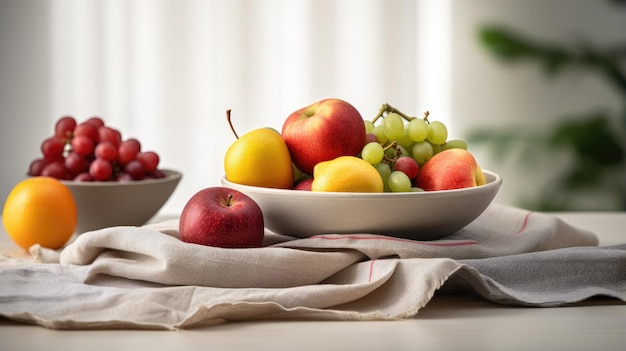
<point x="259" y="158"/>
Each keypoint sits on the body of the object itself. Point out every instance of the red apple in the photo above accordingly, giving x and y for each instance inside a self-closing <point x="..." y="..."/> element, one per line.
<point x="450" y="169"/>
<point x="304" y="184"/>
<point x="323" y="131"/>
<point x="222" y="217"/>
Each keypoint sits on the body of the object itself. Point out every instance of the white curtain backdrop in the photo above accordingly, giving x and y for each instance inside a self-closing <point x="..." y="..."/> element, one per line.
<point x="166" y="71"/>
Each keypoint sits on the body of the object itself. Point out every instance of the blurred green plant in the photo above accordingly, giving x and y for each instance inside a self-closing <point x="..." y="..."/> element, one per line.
<point x="596" y="140"/>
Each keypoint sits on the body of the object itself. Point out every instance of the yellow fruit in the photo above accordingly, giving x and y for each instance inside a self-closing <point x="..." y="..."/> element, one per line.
<point x="346" y="174"/>
<point x="259" y="158"/>
<point x="40" y="210"/>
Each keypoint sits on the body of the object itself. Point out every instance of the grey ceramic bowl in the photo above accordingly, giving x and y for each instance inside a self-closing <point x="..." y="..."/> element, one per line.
<point x="414" y="215"/>
<point x="107" y="204"/>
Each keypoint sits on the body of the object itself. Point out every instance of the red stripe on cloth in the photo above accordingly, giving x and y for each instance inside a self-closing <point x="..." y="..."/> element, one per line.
<point x="521" y="229"/>
<point x="369" y="280"/>
<point x="356" y="237"/>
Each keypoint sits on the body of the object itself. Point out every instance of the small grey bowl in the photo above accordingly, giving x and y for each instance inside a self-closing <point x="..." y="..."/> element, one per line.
<point x="108" y="204"/>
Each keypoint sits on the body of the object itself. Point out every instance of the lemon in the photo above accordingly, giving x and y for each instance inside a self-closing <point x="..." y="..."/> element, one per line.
<point x="346" y="174"/>
<point x="259" y="158"/>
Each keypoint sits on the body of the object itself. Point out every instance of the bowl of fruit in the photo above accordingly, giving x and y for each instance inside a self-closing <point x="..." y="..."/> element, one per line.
<point x="113" y="181"/>
<point x="424" y="215"/>
<point x="393" y="175"/>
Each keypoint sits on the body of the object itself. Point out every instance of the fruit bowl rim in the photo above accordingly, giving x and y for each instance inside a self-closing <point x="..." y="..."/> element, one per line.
<point x="494" y="180"/>
<point x="170" y="175"/>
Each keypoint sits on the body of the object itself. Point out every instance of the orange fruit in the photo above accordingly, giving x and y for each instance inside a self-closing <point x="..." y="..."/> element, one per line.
<point x="346" y="174"/>
<point x="40" y="210"/>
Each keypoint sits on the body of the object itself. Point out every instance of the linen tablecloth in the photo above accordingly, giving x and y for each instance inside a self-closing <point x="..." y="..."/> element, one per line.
<point x="146" y="277"/>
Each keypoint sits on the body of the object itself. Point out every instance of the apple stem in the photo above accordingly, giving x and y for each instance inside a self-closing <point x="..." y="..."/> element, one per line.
<point x="229" y="199"/>
<point x="231" y="125"/>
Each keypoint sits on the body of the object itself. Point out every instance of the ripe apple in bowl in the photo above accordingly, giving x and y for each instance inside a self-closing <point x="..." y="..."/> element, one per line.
<point x="426" y="215"/>
<point x="323" y="131"/>
<point x="450" y="169"/>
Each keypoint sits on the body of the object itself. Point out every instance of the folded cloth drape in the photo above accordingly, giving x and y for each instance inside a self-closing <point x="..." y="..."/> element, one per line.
<point x="145" y="277"/>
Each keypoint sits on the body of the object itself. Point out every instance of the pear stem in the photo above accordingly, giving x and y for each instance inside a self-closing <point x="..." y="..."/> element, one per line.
<point x="231" y="125"/>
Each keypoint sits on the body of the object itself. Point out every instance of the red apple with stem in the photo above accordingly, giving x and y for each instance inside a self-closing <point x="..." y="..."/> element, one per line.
<point x="222" y="217"/>
<point x="450" y="169"/>
<point x="323" y="131"/>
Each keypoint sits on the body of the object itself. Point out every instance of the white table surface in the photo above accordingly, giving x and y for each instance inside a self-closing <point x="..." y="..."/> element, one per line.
<point x="446" y="323"/>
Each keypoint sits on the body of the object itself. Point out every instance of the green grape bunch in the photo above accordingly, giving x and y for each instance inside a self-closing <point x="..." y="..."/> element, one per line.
<point x="399" y="144"/>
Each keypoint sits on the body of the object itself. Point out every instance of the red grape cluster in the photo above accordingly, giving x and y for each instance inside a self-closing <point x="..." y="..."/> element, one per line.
<point x="93" y="151"/>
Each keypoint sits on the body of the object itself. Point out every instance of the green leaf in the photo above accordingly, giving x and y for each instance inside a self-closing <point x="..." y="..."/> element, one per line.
<point x="591" y="139"/>
<point x="504" y="43"/>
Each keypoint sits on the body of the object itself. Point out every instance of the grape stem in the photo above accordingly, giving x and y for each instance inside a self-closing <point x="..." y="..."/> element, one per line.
<point x="391" y="160"/>
<point x="393" y="144"/>
<point x="231" y="123"/>
<point x="386" y="109"/>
